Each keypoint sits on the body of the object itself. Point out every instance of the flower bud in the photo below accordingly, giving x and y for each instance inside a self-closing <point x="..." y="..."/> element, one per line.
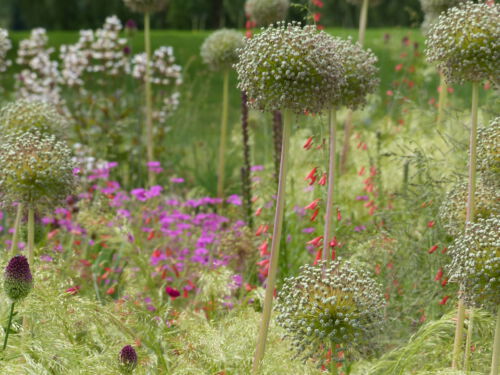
<point x="18" y="281"/>
<point x="219" y="50"/>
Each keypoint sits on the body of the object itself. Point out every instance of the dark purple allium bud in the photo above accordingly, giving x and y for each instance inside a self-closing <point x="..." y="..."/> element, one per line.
<point x="128" y="357"/>
<point x="17" y="279"/>
<point x="130" y="24"/>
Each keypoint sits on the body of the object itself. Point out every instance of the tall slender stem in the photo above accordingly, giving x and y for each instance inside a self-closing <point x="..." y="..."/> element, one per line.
<point x="7" y="332"/>
<point x="149" y="99"/>
<point x="275" y="245"/>
<point x="469" y="214"/>
<point x="17" y="225"/>
<point x="332" y="121"/>
<point x="363" y="16"/>
<point x="223" y="136"/>
<point x="443" y="96"/>
<point x="495" y="360"/>
<point x="468" y="341"/>
<point x="277" y="140"/>
<point x="245" y="170"/>
<point x="31" y="235"/>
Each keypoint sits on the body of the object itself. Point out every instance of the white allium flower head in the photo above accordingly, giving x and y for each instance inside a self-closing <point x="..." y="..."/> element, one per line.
<point x="288" y="67"/>
<point x="329" y="305"/>
<point x="361" y="72"/>
<point x="146" y="6"/>
<point x="266" y="12"/>
<point x="475" y="262"/>
<point x="219" y="50"/>
<point x="35" y="169"/>
<point x="436" y="7"/>
<point x="5" y="46"/>
<point x="488" y="152"/>
<point x="465" y="43"/>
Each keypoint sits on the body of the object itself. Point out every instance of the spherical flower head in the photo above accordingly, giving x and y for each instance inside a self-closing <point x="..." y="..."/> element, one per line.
<point x="128" y="357"/>
<point x="219" y="50"/>
<point x="465" y="43"/>
<point x="361" y="73"/>
<point x="146" y="6"/>
<point x="35" y="169"/>
<point x="453" y="210"/>
<point x="360" y="2"/>
<point x="290" y="68"/>
<point x="475" y="262"/>
<point x="5" y="46"/>
<point x="31" y="115"/>
<point x="18" y="281"/>
<point x="436" y="7"/>
<point x="329" y="305"/>
<point x="488" y="151"/>
<point x="266" y="12"/>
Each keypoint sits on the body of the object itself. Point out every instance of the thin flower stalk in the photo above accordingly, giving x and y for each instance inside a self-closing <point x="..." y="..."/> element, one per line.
<point x="17" y="224"/>
<point x="31" y="235"/>
<point x="245" y="170"/>
<point x="149" y="98"/>
<point x="495" y="360"/>
<point x="223" y="136"/>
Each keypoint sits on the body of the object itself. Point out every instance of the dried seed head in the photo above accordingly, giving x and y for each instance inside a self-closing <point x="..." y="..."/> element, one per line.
<point x="219" y="50"/>
<point x="128" y="358"/>
<point x="266" y="12"/>
<point x="361" y="74"/>
<point x="488" y="151"/>
<point x="476" y="262"/>
<point x="36" y="169"/>
<point x="31" y="115"/>
<point x="465" y="43"/>
<point x="18" y="281"/>
<point x="453" y="210"/>
<point x="290" y="68"/>
<point x="146" y="6"/>
<point x="337" y="306"/>
<point x="5" y="46"/>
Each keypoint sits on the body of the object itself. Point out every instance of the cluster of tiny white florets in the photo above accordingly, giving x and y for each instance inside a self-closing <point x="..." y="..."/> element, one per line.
<point x="290" y="68"/>
<point x="102" y="51"/>
<point x="360" y="2"/>
<point x="219" y="50"/>
<point x="488" y="151"/>
<point x="476" y="262"/>
<point x="36" y="169"/>
<point x="165" y="76"/>
<point x="465" y="42"/>
<point x="5" y="46"/>
<point x="146" y="6"/>
<point x="31" y="115"/>
<point x="328" y="305"/>
<point x="436" y="7"/>
<point x="361" y="73"/>
<point x="266" y="12"/>
<point x="40" y="76"/>
<point x="453" y="210"/>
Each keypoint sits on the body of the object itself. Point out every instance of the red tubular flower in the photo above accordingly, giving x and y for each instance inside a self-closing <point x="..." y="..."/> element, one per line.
<point x="433" y="249"/>
<point x="313" y="205"/>
<point x="315" y="214"/>
<point x="316" y="241"/>
<point x="311" y="174"/>
<point x="308" y="143"/>
<point x="444" y="300"/>
<point x="439" y="275"/>
<point x="263" y="248"/>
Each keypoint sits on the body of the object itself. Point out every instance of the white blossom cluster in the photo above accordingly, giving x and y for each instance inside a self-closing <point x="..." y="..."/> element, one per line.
<point x="40" y="76"/>
<point x="327" y="305"/>
<point x="5" y="46"/>
<point x="36" y="169"/>
<point x="102" y="51"/>
<point x="453" y="210"/>
<point x="465" y="43"/>
<point x="31" y="115"/>
<point x="165" y="76"/>
<point x="488" y="152"/>
<point x="476" y="262"/>
<point x="436" y="7"/>
<point x="219" y="50"/>
<point x="288" y="67"/>
<point x="146" y="6"/>
<point x="360" y="2"/>
<point x="266" y="12"/>
<point x="361" y="72"/>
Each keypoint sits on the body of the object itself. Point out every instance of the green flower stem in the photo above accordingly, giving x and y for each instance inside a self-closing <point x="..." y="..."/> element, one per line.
<point x="495" y="361"/>
<point x="347" y="137"/>
<point x="149" y="99"/>
<point x="468" y="342"/>
<point x="31" y="235"/>
<point x="469" y="215"/>
<point x="7" y="332"/>
<point x="362" y="22"/>
<point x="223" y="135"/>
<point x="332" y="121"/>
<point x="275" y="245"/>
<point x="443" y="99"/>
<point x="17" y="224"/>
